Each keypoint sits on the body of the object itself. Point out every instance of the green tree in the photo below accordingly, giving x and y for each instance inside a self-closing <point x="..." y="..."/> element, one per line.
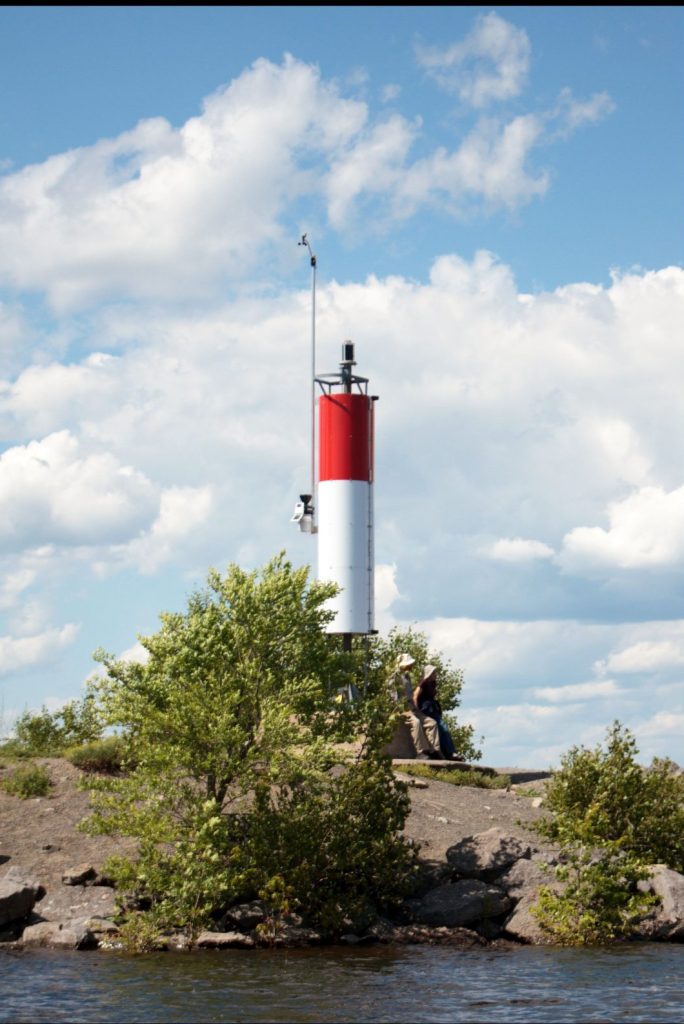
<point x="231" y="730"/>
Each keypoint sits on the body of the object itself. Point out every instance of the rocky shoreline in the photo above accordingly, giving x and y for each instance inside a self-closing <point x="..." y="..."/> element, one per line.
<point x="477" y="888"/>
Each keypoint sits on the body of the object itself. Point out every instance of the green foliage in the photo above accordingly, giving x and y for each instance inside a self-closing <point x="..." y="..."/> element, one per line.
<point x="109" y="754"/>
<point x="45" y="734"/>
<point x="600" y="901"/>
<point x="28" y="780"/>
<point x="603" y="796"/>
<point x="140" y="934"/>
<point x="231" y="730"/>
<point x="612" y="818"/>
<point x="337" y="848"/>
<point x="458" y="776"/>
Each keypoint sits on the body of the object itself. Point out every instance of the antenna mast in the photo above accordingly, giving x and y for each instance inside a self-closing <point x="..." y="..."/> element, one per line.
<point x="312" y="258"/>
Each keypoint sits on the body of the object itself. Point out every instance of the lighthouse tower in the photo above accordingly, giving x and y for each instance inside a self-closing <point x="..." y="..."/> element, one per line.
<point x="343" y="518"/>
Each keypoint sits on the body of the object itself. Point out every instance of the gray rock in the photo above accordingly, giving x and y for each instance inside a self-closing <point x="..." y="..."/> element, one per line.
<point x="246" y="916"/>
<point x="524" y="878"/>
<point x="292" y="936"/>
<point x="351" y="939"/>
<point x="101" y="927"/>
<point x="416" y="934"/>
<point x="68" y="903"/>
<point x="460" y="903"/>
<point x="59" y="935"/>
<point x="225" y="940"/>
<point x="18" y="895"/>
<point x="487" y="854"/>
<point x="524" y="926"/>
<point x="79" y="875"/>
<point x="666" y="921"/>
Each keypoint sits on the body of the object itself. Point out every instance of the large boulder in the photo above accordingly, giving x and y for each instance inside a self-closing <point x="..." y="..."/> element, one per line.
<point x="18" y="895"/>
<point x="59" y="935"/>
<point x="487" y="854"/>
<point x="78" y="902"/>
<point x="460" y="903"/>
<point x="522" y="882"/>
<point x="525" y="877"/>
<point x="666" y="921"/>
<point x="524" y="926"/>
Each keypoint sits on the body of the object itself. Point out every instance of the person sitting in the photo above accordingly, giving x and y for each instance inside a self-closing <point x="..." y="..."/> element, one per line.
<point x="425" y="699"/>
<point x="424" y="730"/>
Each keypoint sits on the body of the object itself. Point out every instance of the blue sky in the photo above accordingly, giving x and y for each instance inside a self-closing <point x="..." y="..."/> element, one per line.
<point x="495" y="199"/>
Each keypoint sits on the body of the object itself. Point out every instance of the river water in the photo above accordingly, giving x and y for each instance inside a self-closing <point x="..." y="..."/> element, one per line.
<point x="625" y="984"/>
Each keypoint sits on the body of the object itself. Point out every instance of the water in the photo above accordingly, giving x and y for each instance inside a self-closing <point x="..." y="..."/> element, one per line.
<point x="622" y="984"/>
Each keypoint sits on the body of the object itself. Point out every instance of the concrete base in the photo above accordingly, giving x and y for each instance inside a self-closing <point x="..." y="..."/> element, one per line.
<point x="401" y="744"/>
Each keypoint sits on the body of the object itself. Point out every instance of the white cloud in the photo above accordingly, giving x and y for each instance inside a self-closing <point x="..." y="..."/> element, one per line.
<point x="160" y="211"/>
<point x="490" y="163"/>
<point x="373" y="165"/>
<point x="137" y="653"/>
<point x="183" y="511"/>
<point x="390" y="92"/>
<point x="646" y="531"/>
<point x="571" y="114"/>
<point x="51" y="492"/>
<point x="592" y="690"/>
<point x="490" y="65"/>
<point x="518" y="550"/>
<point x="660" y="735"/>
<point x="647" y="656"/>
<point x="165" y="213"/>
<point x="13" y="584"/>
<point x="17" y="653"/>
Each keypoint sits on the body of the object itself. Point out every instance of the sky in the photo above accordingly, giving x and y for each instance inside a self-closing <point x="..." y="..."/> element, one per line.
<point x="494" y="198"/>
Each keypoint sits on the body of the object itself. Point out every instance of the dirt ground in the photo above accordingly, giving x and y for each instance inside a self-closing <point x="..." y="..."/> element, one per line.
<point x="40" y="834"/>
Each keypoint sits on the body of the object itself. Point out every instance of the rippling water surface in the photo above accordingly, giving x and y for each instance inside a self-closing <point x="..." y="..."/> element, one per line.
<point x="625" y="984"/>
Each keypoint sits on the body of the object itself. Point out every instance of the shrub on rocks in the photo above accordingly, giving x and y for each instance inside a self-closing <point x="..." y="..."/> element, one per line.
<point x="612" y="818"/>
<point x="604" y="796"/>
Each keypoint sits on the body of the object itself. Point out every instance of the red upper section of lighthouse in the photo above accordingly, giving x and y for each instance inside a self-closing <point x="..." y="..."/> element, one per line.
<point x="346" y="437"/>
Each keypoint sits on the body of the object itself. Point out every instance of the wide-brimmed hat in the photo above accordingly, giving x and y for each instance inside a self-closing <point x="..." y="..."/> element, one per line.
<point x="428" y="672"/>
<point x="405" y="661"/>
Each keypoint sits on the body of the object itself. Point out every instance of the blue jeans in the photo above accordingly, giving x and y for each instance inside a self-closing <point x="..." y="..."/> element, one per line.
<point x="445" y="740"/>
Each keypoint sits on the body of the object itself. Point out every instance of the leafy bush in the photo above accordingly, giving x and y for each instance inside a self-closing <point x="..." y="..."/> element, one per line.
<point x="600" y="901"/>
<point x="603" y="795"/>
<point x="109" y="754"/>
<point x="45" y="734"/>
<point x="612" y="818"/>
<point x="232" y="729"/>
<point x="28" y="780"/>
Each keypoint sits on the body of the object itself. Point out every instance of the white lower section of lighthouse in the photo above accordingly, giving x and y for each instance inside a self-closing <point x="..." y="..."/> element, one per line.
<point x="345" y="552"/>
